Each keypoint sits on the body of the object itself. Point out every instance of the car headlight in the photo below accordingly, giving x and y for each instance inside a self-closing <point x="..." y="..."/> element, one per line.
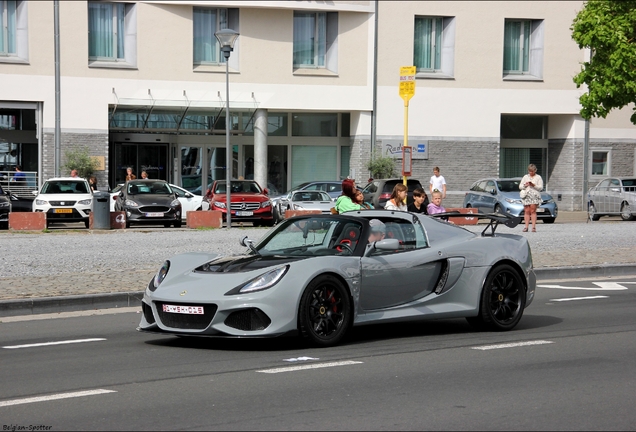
<point x="262" y="282"/>
<point x="160" y="276"/>
<point x="4" y="204"/>
<point x="219" y="204"/>
<point x="513" y="201"/>
<point x="175" y="203"/>
<point x="266" y="204"/>
<point x="298" y="207"/>
<point x="40" y="202"/>
<point x="85" y="202"/>
<point x="130" y="203"/>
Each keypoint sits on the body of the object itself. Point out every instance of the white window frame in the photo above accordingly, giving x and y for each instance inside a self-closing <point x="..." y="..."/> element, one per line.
<point x="220" y="14"/>
<point x="534" y="51"/>
<point x="21" y="54"/>
<point x="232" y="17"/>
<point x="447" y="51"/>
<point x="606" y="150"/>
<point x="129" y="59"/>
<point x="330" y="66"/>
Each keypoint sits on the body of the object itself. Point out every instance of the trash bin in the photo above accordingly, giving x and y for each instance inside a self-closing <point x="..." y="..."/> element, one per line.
<point x="101" y="210"/>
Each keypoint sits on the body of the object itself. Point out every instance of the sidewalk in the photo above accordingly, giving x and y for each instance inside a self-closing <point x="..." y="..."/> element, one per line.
<point x="113" y="288"/>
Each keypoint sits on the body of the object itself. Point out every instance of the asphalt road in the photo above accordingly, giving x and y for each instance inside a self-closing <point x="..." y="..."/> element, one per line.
<point x="574" y="370"/>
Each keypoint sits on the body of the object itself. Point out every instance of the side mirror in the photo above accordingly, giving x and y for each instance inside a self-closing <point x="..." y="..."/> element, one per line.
<point x="189" y="195"/>
<point x="121" y="194"/>
<point x="386" y="245"/>
<point x="265" y="191"/>
<point x="35" y="193"/>
<point x="615" y="189"/>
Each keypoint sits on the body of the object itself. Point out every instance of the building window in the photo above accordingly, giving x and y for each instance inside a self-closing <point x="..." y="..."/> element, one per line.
<point x="13" y="32"/>
<point x="523" y="49"/>
<point x="112" y="33"/>
<point x="601" y="162"/>
<point x="434" y="46"/>
<point x="315" y="124"/>
<point x="206" y="22"/>
<point x="315" y="40"/>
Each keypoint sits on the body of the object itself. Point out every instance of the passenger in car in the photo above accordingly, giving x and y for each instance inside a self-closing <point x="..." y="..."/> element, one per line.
<point x="378" y="230"/>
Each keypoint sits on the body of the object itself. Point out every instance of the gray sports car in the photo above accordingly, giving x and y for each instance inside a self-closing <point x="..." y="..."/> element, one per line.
<point x="318" y="275"/>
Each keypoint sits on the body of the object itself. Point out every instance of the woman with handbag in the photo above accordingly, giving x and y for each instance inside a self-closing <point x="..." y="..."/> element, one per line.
<point x="531" y="186"/>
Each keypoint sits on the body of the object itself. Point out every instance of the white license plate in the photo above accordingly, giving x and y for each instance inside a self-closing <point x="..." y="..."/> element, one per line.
<point x="540" y="210"/>
<point x="244" y="213"/>
<point x="190" y="310"/>
<point x="154" y="214"/>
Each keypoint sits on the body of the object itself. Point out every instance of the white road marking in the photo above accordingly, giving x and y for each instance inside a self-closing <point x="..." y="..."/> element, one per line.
<point x="512" y="345"/>
<point x="579" y="298"/>
<point x="111" y="311"/>
<point x="300" y="359"/>
<point x="55" y="397"/>
<point x="602" y="286"/>
<point x="53" y="343"/>
<point x="309" y="366"/>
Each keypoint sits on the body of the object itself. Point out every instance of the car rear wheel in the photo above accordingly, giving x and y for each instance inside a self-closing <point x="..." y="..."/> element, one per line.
<point x="626" y="212"/>
<point x="324" y="315"/>
<point x="591" y="212"/>
<point x="503" y="299"/>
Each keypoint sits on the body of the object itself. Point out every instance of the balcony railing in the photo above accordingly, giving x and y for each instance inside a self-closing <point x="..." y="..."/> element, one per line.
<point x="23" y="186"/>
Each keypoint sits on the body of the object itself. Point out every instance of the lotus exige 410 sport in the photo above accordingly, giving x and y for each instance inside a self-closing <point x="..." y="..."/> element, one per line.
<point x="319" y="275"/>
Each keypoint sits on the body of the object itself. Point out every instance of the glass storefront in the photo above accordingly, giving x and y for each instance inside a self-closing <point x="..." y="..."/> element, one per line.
<point x="152" y="158"/>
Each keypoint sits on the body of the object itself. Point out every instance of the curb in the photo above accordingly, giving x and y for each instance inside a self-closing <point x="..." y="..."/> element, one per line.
<point x="47" y="305"/>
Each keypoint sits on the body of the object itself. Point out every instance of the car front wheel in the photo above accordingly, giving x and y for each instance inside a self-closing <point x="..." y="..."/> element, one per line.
<point x="591" y="211"/>
<point x="626" y="212"/>
<point x="503" y="299"/>
<point x="325" y="311"/>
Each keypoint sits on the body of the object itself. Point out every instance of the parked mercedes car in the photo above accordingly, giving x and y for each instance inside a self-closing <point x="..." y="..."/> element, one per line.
<point x="320" y="275"/>
<point x="64" y="199"/>
<point x="306" y="200"/>
<point x="613" y="196"/>
<point x="249" y="202"/>
<point x="378" y="192"/>
<point x="502" y="196"/>
<point x="149" y="202"/>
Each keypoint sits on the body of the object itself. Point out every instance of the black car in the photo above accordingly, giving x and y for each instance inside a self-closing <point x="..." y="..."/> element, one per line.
<point x="378" y="192"/>
<point x="149" y="202"/>
<point x="5" y="208"/>
<point x="21" y="203"/>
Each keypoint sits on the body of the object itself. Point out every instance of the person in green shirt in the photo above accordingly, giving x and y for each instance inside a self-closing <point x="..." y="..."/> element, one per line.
<point x="347" y="201"/>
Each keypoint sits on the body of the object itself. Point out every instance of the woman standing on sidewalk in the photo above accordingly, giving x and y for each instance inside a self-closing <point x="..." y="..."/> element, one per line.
<point x="531" y="186"/>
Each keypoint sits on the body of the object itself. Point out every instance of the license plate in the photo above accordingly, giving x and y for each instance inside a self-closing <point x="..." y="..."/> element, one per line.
<point x="63" y="210"/>
<point x="154" y="214"/>
<point x="540" y="210"/>
<point x="189" y="310"/>
<point x="244" y="213"/>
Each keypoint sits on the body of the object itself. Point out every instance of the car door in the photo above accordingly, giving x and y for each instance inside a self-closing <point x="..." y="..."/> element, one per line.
<point x="600" y="197"/>
<point x="479" y="198"/>
<point x="391" y="278"/>
<point x="613" y="196"/>
<point x="489" y="196"/>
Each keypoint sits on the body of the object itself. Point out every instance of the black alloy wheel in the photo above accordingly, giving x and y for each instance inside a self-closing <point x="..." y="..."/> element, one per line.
<point x="502" y="302"/>
<point x="325" y="311"/>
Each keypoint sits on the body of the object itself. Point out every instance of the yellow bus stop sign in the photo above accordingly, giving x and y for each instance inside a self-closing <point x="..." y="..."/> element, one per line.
<point x="407" y="82"/>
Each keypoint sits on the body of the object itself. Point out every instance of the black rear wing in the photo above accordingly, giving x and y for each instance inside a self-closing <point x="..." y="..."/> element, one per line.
<point x="495" y="220"/>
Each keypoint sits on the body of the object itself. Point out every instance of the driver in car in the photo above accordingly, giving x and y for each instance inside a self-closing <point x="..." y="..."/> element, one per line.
<point x="378" y="230"/>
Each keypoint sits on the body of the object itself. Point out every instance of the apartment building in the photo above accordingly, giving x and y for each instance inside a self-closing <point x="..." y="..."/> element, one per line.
<point x="313" y="91"/>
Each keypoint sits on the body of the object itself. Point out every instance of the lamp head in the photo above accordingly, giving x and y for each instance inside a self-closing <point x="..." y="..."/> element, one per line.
<point x="227" y="38"/>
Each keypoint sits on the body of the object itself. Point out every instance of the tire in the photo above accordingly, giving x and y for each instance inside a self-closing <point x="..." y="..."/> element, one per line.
<point x="503" y="299"/>
<point x="498" y="209"/>
<point x="468" y="206"/>
<point x="86" y="224"/>
<point x="549" y="220"/>
<point x="324" y="315"/>
<point x="177" y="224"/>
<point x="268" y="223"/>
<point x="591" y="211"/>
<point x="127" y="223"/>
<point x="626" y="212"/>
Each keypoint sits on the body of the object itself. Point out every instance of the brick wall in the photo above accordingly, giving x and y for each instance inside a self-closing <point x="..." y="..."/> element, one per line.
<point x="97" y="144"/>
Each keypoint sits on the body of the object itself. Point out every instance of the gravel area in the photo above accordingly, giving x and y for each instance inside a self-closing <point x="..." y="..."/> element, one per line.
<point x="62" y="252"/>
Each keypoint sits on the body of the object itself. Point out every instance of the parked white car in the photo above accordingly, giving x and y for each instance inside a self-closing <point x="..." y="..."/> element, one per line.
<point x="188" y="200"/>
<point x="64" y="199"/>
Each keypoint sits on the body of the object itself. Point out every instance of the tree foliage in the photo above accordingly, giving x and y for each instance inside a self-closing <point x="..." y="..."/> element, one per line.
<point x="608" y="28"/>
<point x="79" y="159"/>
<point x="381" y="166"/>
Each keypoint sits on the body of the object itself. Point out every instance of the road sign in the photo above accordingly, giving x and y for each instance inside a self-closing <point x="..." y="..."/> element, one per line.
<point x="407" y="82"/>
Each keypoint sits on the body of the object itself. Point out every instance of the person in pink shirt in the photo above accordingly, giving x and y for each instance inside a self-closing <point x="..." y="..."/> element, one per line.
<point x="436" y="205"/>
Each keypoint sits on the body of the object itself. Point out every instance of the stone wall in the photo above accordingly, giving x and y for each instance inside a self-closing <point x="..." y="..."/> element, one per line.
<point x="97" y="144"/>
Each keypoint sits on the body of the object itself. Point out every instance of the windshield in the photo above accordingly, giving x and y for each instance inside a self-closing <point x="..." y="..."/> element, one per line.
<point x="154" y="188"/>
<point x="238" y="187"/>
<point x="508" y="185"/>
<point x="65" y="187"/>
<point x="312" y="236"/>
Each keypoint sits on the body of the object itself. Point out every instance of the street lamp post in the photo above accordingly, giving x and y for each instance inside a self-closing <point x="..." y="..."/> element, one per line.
<point x="226" y="38"/>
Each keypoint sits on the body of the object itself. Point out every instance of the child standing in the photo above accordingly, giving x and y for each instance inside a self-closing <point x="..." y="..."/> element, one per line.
<point x="438" y="182"/>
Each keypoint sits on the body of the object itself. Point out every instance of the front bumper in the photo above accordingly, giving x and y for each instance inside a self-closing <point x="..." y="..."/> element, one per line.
<point x="65" y="214"/>
<point x="139" y="215"/>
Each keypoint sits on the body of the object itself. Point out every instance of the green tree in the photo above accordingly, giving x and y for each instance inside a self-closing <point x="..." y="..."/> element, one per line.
<point x="381" y="166"/>
<point x="608" y="28"/>
<point x="79" y="159"/>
